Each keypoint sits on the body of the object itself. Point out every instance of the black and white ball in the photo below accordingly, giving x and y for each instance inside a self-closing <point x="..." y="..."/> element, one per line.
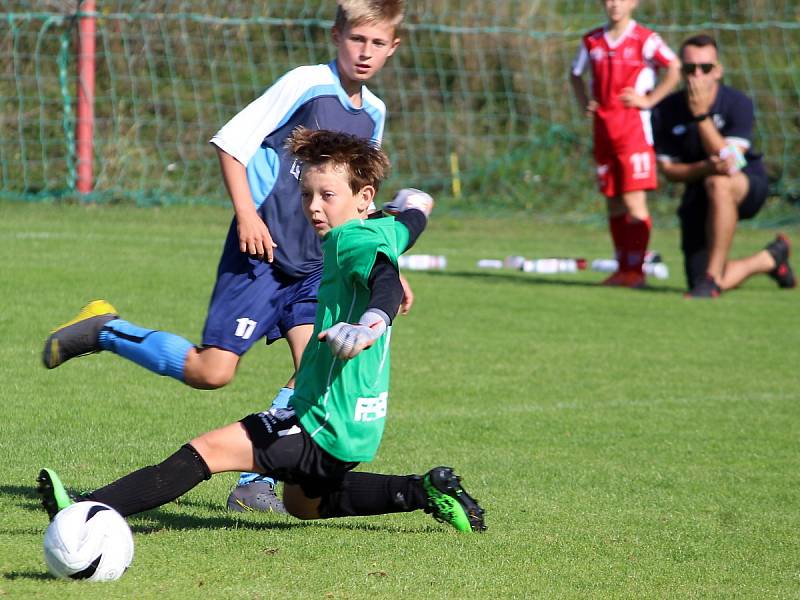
<point x="88" y="540"/>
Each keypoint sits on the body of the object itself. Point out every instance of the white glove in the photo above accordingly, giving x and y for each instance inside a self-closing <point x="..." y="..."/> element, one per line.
<point x="347" y="340"/>
<point x="409" y="198"/>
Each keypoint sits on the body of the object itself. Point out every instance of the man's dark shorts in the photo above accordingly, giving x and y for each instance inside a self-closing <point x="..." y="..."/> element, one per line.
<point x="693" y="212"/>
<point x="694" y="202"/>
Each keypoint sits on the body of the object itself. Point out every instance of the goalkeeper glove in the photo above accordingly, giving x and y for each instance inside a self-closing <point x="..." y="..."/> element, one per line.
<point x="409" y="198"/>
<point x="347" y="340"/>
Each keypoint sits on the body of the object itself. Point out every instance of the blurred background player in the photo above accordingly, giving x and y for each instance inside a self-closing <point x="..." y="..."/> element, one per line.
<point x="703" y="137"/>
<point x="336" y="418"/>
<point x="271" y="264"/>
<point x="623" y="57"/>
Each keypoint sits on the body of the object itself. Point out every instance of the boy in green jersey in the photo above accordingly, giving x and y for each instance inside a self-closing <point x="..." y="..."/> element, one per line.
<point x="335" y="419"/>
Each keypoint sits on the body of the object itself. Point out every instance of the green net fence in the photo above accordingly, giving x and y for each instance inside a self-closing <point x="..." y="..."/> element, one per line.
<point x="477" y="90"/>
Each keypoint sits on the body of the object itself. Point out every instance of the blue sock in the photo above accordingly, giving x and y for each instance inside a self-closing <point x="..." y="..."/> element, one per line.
<point x="161" y="352"/>
<point x="280" y="401"/>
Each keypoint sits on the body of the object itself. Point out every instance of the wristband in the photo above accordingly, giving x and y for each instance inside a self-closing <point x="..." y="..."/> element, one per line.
<point x="702" y="117"/>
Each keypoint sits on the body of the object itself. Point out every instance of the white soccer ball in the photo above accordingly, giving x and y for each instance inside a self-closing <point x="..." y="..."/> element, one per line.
<point x="88" y="540"/>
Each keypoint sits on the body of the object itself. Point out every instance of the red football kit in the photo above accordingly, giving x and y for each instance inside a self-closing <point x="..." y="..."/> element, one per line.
<point x="623" y="138"/>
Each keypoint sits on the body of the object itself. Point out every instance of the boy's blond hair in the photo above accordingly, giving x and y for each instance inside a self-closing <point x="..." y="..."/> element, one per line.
<point x="365" y="163"/>
<point x="359" y="12"/>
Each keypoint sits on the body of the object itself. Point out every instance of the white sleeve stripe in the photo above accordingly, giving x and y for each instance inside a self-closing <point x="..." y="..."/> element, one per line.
<point x="243" y="134"/>
<point x="579" y="62"/>
<point x="738" y="141"/>
<point x="655" y="46"/>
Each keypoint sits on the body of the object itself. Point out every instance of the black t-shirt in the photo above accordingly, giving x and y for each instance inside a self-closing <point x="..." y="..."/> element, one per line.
<point x="675" y="132"/>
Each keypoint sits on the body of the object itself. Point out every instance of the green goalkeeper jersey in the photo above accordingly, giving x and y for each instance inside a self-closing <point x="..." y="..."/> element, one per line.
<point x="342" y="404"/>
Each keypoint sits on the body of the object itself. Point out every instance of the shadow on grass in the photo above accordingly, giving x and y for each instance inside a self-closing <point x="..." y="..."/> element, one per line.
<point x="165" y="519"/>
<point x="525" y="279"/>
<point x="29" y="575"/>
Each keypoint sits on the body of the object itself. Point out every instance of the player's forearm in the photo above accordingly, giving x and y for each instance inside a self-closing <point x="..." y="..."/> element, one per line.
<point x="667" y="83"/>
<point x="579" y="91"/>
<point x="386" y="290"/>
<point x="234" y="174"/>
<point x="710" y="137"/>
<point x="685" y="172"/>
<point x="415" y="221"/>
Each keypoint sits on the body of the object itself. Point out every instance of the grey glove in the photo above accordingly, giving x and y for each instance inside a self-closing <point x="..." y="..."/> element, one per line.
<point x="347" y="340"/>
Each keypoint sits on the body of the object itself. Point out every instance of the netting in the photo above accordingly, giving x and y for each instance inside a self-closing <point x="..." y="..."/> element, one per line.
<point x="479" y="102"/>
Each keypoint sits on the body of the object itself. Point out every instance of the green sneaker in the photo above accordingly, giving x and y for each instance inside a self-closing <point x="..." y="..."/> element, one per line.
<point x="448" y="502"/>
<point x="78" y="336"/>
<point x="51" y="491"/>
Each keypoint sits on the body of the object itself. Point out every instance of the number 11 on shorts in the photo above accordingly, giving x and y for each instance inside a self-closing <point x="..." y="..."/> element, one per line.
<point x="640" y="162"/>
<point x="245" y="328"/>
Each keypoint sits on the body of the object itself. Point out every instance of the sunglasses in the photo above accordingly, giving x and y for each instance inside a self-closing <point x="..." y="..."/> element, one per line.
<point x="690" y="68"/>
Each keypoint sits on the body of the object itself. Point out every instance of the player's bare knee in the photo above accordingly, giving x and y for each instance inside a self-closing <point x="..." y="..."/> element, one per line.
<point x="216" y="378"/>
<point x="717" y="186"/>
<point x="298" y="505"/>
<point x="299" y="512"/>
<point x="209" y="375"/>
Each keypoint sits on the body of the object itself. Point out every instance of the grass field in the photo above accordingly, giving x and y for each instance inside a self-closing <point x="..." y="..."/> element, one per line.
<point x="625" y="444"/>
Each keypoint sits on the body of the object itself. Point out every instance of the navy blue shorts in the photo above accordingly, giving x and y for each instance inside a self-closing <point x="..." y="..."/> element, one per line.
<point x="254" y="299"/>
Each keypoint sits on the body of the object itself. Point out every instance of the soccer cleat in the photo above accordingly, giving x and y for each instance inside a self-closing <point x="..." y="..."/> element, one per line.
<point x="448" y="502"/>
<point x="779" y="249"/>
<point x="52" y="493"/>
<point x="705" y="288"/>
<point x="628" y="279"/>
<point x="78" y="336"/>
<point x="256" y="496"/>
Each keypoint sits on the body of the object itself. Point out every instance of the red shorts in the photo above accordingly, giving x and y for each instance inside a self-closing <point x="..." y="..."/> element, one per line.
<point x="627" y="164"/>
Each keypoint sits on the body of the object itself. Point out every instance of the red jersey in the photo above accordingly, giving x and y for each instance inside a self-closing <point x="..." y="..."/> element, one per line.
<point x="623" y="137"/>
<point x="629" y="61"/>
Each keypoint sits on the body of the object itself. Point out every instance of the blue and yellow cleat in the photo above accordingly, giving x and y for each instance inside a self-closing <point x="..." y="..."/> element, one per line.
<point x="448" y="502"/>
<point x="52" y="493"/>
<point x="78" y="336"/>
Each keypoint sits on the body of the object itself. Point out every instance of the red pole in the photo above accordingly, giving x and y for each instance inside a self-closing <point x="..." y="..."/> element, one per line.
<point x="84" y="129"/>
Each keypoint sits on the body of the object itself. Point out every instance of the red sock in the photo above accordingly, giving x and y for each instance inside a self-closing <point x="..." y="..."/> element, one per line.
<point x="637" y="237"/>
<point x="616" y="224"/>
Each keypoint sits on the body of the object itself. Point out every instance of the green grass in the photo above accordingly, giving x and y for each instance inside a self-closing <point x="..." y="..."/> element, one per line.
<point x="625" y="444"/>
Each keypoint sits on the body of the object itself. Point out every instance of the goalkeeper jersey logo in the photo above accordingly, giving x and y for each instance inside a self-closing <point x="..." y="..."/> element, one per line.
<point x="371" y="409"/>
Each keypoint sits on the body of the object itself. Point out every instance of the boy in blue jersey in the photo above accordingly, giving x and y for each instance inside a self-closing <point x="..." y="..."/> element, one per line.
<point x="336" y="417"/>
<point x="271" y="266"/>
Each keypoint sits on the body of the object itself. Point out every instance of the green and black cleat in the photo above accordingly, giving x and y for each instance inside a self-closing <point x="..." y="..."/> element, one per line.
<point x="52" y="493"/>
<point x="78" y="336"/>
<point x="448" y="502"/>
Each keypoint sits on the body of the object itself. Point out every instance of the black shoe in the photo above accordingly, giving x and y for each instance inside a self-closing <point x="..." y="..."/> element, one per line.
<point x="779" y="249"/>
<point x="52" y="493"/>
<point x="448" y="502"/>
<point x="78" y="336"/>
<point x="705" y="288"/>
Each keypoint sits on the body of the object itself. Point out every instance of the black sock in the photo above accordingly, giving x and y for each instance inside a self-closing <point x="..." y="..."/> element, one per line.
<point x="363" y="494"/>
<point x="155" y="485"/>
